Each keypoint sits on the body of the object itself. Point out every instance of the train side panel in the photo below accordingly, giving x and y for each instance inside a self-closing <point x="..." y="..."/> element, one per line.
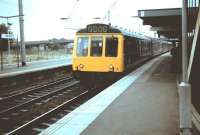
<point x="101" y="50"/>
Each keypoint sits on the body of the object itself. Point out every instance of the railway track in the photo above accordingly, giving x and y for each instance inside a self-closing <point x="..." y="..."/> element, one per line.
<point x="36" y="108"/>
<point x="36" y="102"/>
<point x="40" y="123"/>
<point x="18" y="91"/>
<point x="29" y="95"/>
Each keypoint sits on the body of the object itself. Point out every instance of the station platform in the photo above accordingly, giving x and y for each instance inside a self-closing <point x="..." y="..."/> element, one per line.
<point x="145" y="102"/>
<point x="12" y="69"/>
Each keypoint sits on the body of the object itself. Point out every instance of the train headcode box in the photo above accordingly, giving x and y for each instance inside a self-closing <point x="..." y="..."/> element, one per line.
<point x="97" y="28"/>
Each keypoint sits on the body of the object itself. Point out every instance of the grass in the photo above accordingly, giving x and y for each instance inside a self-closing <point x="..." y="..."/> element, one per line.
<point x="36" y="56"/>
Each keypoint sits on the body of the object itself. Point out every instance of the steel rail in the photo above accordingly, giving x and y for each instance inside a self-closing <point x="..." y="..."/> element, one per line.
<point x="8" y="98"/>
<point x="18" y="107"/>
<point x="48" y="114"/>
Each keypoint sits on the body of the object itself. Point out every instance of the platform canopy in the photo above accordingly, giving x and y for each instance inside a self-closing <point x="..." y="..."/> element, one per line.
<point x="167" y="22"/>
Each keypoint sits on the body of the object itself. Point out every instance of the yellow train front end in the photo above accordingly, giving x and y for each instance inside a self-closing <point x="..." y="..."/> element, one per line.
<point x="93" y="53"/>
<point x="97" y="55"/>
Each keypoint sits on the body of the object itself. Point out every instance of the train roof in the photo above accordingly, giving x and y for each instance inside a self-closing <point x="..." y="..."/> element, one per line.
<point x="104" y="28"/>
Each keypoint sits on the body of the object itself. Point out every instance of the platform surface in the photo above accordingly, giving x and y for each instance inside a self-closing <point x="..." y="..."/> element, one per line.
<point x="11" y="70"/>
<point x="145" y="102"/>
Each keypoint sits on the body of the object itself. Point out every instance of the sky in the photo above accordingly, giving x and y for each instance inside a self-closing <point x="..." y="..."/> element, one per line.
<point x="42" y="17"/>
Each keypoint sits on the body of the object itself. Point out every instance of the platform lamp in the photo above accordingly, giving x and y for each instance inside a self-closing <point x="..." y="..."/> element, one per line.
<point x="64" y="18"/>
<point x="69" y="28"/>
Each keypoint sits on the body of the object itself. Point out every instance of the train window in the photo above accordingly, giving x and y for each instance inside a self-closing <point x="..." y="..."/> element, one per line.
<point x="96" y="46"/>
<point x="111" y="46"/>
<point x="82" y="46"/>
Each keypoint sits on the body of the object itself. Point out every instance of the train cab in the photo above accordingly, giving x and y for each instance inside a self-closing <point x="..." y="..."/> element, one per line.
<point x="98" y="49"/>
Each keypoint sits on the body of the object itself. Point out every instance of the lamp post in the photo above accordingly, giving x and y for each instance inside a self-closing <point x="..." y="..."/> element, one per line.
<point x="9" y="51"/>
<point x="185" y="87"/>
<point x="21" y="24"/>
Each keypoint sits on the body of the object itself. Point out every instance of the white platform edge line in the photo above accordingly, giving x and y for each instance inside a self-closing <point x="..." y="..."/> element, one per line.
<point x="195" y="118"/>
<point x="75" y="122"/>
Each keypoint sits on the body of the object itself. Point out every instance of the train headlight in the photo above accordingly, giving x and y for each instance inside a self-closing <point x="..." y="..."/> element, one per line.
<point x="111" y="67"/>
<point x="81" y="66"/>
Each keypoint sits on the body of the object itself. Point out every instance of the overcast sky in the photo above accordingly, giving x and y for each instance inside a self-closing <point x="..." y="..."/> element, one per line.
<point x="42" y="17"/>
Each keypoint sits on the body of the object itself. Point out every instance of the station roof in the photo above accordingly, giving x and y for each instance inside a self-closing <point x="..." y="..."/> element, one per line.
<point x="167" y="22"/>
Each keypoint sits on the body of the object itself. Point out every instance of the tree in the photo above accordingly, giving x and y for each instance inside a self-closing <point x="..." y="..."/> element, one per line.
<point x="3" y="42"/>
<point x="3" y="28"/>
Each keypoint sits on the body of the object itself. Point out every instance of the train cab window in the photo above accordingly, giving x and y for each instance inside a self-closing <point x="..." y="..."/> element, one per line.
<point x="82" y="46"/>
<point x="111" y="46"/>
<point x="96" y="46"/>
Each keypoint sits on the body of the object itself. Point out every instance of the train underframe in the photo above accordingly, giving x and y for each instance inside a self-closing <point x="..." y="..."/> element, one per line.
<point x="95" y="78"/>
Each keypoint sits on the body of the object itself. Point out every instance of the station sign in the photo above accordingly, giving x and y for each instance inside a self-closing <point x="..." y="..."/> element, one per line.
<point x="7" y="36"/>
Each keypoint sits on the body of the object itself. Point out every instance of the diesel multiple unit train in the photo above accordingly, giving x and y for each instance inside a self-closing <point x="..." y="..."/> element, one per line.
<point x="101" y="50"/>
